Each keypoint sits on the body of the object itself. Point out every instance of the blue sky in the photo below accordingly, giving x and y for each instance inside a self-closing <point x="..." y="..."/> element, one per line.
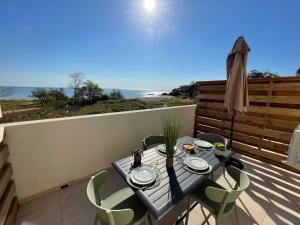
<point x="118" y="44"/>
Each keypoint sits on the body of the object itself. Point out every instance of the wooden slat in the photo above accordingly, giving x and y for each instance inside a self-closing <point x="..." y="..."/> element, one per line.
<point x="275" y="111"/>
<point x="285" y="86"/>
<point x="221" y="87"/>
<point x="211" y="105"/>
<point x="292" y="87"/>
<point x="6" y="201"/>
<point x="256" y="151"/>
<point x="275" y="99"/>
<point x="211" y="96"/>
<point x="1" y="133"/>
<point x="267" y="144"/>
<point x="286" y="79"/>
<point x="255" y="109"/>
<point x="5" y="176"/>
<point x="257" y="98"/>
<point x="12" y="213"/>
<point x="3" y="155"/>
<point x="285" y="125"/>
<point x="255" y="131"/>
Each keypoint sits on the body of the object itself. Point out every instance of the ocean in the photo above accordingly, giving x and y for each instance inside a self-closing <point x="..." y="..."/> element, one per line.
<point x="17" y="93"/>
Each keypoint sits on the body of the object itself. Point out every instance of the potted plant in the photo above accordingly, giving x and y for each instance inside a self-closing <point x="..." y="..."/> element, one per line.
<point x="220" y="148"/>
<point x="171" y="129"/>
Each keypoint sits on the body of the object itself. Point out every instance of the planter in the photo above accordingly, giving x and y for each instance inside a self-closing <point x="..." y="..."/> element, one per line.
<point x="219" y="153"/>
<point x="169" y="162"/>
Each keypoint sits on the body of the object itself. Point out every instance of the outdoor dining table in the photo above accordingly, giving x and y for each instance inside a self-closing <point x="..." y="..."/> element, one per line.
<point x="175" y="184"/>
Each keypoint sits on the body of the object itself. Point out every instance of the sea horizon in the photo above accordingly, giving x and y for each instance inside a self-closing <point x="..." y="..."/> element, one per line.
<point x="23" y="92"/>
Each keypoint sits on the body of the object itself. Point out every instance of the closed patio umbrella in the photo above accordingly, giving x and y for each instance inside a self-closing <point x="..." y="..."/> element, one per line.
<point x="236" y="97"/>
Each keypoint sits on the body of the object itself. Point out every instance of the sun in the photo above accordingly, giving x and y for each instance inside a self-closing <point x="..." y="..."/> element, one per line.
<point x="149" y="5"/>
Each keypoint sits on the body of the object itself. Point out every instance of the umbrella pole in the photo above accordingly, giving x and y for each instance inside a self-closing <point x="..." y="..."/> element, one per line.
<point x="231" y="131"/>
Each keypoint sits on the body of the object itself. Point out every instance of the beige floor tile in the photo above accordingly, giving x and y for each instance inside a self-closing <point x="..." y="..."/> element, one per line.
<point x="74" y="188"/>
<point x="280" y="215"/>
<point x="88" y="220"/>
<point x="200" y="215"/>
<point x="114" y="183"/>
<point x="174" y="214"/>
<point x="76" y="207"/>
<point x="38" y="204"/>
<point x="50" y="215"/>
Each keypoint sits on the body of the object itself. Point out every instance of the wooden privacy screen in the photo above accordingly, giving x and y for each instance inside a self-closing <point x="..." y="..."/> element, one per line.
<point x="264" y="132"/>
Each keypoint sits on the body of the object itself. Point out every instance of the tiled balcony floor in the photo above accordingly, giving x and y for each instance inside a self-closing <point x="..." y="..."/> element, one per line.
<point x="272" y="198"/>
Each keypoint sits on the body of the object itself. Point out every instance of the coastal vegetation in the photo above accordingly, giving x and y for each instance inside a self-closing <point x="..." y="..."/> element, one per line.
<point x="87" y="98"/>
<point x="298" y="72"/>
<point x="260" y="74"/>
<point x="16" y="110"/>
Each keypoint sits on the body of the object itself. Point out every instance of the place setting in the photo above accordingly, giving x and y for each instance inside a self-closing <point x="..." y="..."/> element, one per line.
<point x="144" y="177"/>
<point x="193" y="163"/>
<point x="203" y="144"/>
<point x="161" y="150"/>
<point x="196" y="165"/>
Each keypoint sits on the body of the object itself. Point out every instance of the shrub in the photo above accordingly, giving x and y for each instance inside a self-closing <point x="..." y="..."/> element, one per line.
<point x="40" y="95"/>
<point x="116" y="95"/>
<point x="259" y="74"/>
<point x="298" y="72"/>
<point x="91" y="91"/>
<point x="104" y="97"/>
<point x="57" y="97"/>
<point x="50" y="97"/>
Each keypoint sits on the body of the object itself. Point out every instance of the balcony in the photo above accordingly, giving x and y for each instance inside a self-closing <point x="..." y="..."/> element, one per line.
<point x="53" y="159"/>
<point x="271" y="199"/>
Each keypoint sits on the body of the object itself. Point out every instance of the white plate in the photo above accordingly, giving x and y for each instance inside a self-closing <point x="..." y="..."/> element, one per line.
<point x="143" y="175"/>
<point x="196" y="163"/>
<point x="162" y="148"/>
<point x="203" y="144"/>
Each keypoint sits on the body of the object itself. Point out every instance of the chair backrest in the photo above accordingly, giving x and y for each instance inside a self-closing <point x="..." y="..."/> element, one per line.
<point x="224" y="196"/>
<point x="211" y="138"/>
<point x="112" y="217"/>
<point x="151" y="141"/>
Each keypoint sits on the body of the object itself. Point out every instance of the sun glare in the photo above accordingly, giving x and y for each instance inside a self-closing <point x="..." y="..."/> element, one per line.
<point x="149" y="5"/>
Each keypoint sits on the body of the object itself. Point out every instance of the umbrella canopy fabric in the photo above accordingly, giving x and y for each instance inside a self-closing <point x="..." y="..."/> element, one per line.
<point x="236" y="97"/>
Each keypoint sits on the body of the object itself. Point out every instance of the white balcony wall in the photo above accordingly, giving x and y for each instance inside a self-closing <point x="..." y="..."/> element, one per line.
<point x="46" y="154"/>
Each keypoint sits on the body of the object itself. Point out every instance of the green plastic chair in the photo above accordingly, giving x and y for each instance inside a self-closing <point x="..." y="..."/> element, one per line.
<point x="152" y="141"/>
<point x="212" y="138"/>
<point x="120" y="208"/>
<point x="219" y="201"/>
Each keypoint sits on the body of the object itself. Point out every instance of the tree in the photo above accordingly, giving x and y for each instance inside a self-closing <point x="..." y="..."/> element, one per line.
<point x="57" y="97"/>
<point x="298" y="72"/>
<point x="259" y="74"/>
<point x="91" y="91"/>
<point x="76" y="83"/>
<point x="116" y="94"/>
<point x="50" y="97"/>
<point x="40" y="95"/>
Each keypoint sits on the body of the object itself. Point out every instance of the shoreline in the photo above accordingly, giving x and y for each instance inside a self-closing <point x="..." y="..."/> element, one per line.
<point x="160" y="97"/>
